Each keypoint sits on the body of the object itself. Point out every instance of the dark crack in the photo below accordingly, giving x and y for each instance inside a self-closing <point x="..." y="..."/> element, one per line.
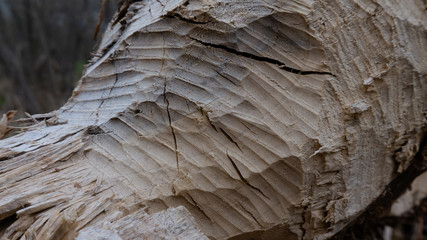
<point x="180" y="17"/>
<point x="226" y="78"/>
<point x="123" y="7"/>
<point x="243" y="179"/>
<point x="247" y="211"/>
<point x="304" y="231"/>
<point x="173" y="189"/>
<point x="262" y="59"/>
<point x="94" y="130"/>
<point x="207" y="117"/>
<point x="109" y="93"/>
<point x="107" y="48"/>
<point x="230" y="138"/>
<point x="194" y="203"/>
<point x="12" y="156"/>
<point x="7" y="222"/>
<point x="249" y="129"/>
<point x="165" y="99"/>
<point x="161" y="4"/>
<point x="114" y="84"/>
<point x="170" y="125"/>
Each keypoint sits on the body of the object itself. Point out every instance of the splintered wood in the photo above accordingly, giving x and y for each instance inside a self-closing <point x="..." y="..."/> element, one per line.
<point x="226" y="119"/>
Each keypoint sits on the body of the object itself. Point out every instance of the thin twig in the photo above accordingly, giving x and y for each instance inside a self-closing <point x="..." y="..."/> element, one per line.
<point x="100" y="16"/>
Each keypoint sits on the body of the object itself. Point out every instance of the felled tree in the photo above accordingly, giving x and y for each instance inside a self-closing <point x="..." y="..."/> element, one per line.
<point x="226" y="119"/>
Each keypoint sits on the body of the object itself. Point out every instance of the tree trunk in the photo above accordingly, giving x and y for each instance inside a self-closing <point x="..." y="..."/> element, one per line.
<point x="226" y="119"/>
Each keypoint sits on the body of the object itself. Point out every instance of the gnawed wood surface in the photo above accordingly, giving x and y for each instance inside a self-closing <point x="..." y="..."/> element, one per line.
<point x="173" y="223"/>
<point x="261" y="118"/>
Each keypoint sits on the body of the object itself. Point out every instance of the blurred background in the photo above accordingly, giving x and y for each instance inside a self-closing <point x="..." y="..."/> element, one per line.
<point x="44" y="45"/>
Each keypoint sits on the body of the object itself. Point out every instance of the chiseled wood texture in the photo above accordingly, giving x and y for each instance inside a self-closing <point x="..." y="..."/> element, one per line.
<point x="265" y="119"/>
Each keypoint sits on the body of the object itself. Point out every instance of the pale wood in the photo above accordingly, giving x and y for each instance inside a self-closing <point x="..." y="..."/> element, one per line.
<point x="173" y="223"/>
<point x="260" y="118"/>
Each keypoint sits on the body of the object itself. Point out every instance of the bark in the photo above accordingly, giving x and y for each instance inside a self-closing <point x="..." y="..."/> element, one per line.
<point x="226" y="119"/>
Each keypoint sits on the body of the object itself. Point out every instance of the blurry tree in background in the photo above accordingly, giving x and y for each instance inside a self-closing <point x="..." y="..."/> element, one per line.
<point x="43" y="47"/>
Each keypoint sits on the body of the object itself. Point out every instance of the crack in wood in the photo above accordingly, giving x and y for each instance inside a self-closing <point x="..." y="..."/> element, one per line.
<point x="222" y="75"/>
<point x="122" y="9"/>
<point x="12" y="156"/>
<point x="180" y="17"/>
<point x="166" y="101"/>
<point x="161" y="4"/>
<point x="262" y="59"/>
<point x="253" y="217"/>
<point x="94" y="130"/>
<point x="171" y="127"/>
<point x="304" y="231"/>
<point x="194" y="203"/>
<point x="109" y="93"/>
<point x="230" y="138"/>
<point x="202" y="111"/>
<point x="243" y="179"/>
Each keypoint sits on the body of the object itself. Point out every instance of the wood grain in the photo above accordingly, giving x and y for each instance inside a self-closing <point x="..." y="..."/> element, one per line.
<point x="257" y="118"/>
